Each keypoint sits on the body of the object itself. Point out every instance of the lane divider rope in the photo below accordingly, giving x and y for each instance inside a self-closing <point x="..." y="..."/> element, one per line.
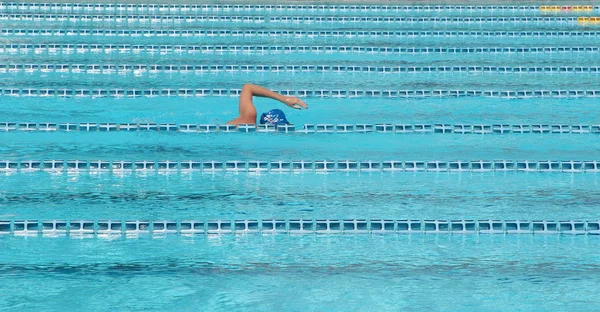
<point x="296" y="227"/>
<point x="296" y="34"/>
<point x="303" y="129"/>
<point x="567" y="8"/>
<point x="321" y="93"/>
<point x="80" y="18"/>
<point x="310" y="8"/>
<point x="233" y="68"/>
<point x="83" y="48"/>
<point x="298" y="166"/>
<point x="589" y="19"/>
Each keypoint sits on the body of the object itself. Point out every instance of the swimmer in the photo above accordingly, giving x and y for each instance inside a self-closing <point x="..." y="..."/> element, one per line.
<point x="274" y="116"/>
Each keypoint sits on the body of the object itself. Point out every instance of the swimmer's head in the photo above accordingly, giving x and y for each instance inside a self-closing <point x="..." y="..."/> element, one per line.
<point x="274" y="117"/>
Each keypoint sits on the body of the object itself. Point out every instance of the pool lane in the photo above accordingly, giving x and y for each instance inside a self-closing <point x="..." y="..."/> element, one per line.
<point x="343" y="81"/>
<point x="271" y="21"/>
<point x="261" y="146"/>
<point x="218" y="110"/>
<point x="138" y="196"/>
<point x="214" y="272"/>
<point x="281" y="54"/>
<point x="290" y="36"/>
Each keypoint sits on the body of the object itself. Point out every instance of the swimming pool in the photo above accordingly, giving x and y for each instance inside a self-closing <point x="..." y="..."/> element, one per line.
<point x="448" y="160"/>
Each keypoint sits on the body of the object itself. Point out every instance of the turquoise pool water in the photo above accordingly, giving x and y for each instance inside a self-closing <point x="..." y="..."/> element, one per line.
<point x="277" y="272"/>
<point x="448" y="160"/>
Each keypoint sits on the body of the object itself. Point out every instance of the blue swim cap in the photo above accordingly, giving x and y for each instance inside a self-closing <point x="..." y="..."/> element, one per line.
<point x="273" y="117"/>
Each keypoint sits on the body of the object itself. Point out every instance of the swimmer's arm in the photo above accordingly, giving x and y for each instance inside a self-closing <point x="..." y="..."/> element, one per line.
<point x="290" y="101"/>
<point x="247" y="109"/>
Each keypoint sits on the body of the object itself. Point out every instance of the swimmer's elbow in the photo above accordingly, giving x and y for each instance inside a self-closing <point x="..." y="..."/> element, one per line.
<point x="247" y="87"/>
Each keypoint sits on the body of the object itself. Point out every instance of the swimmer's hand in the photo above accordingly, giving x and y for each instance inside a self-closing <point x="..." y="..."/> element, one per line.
<point x="294" y="102"/>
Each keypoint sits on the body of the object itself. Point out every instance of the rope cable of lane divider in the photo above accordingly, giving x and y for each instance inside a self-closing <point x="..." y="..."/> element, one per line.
<point x="297" y="226"/>
<point x="407" y="34"/>
<point x="79" y="18"/>
<point x="319" y="93"/>
<point x="279" y="7"/>
<point x="82" y="48"/>
<point x="301" y="166"/>
<point x="170" y="8"/>
<point x="109" y="8"/>
<point x="399" y="128"/>
<point x="105" y="68"/>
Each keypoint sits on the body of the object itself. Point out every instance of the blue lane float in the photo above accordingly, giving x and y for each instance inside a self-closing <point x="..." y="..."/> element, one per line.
<point x="261" y="68"/>
<point x="296" y="166"/>
<point x="266" y="8"/>
<point x="84" y="48"/>
<point x="302" y="129"/>
<point x="360" y="34"/>
<point x="295" y="227"/>
<point x="258" y="19"/>
<point x="320" y="93"/>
